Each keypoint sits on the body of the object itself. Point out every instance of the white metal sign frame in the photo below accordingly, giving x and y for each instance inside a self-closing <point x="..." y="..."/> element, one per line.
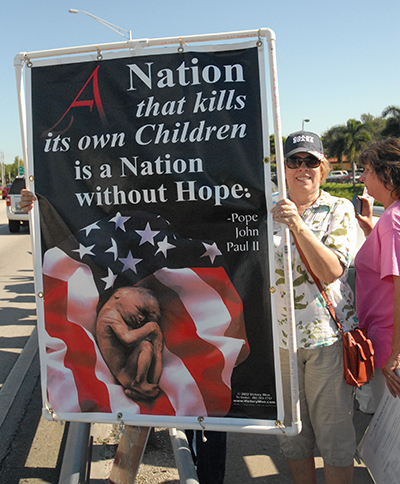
<point x="25" y="60"/>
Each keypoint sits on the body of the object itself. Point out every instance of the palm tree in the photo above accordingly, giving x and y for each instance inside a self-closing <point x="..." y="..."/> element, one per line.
<point x="334" y="143"/>
<point x="375" y="125"/>
<point x="392" y="113"/>
<point x="347" y="139"/>
<point x="357" y="136"/>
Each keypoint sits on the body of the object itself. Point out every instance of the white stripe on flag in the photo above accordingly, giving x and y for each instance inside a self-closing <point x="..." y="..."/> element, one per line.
<point x="61" y="388"/>
<point x="208" y="312"/>
<point x="82" y="292"/>
<point x="180" y="387"/>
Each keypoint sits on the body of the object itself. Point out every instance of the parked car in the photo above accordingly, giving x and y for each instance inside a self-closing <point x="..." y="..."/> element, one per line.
<point x="336" y="176"/>
<point x="349" y="178"/>
<point x="16" y="216"/>
<point x="5" y="190"/>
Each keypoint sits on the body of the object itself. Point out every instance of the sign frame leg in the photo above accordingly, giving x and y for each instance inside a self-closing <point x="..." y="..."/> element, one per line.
<point x="129" y="455"/>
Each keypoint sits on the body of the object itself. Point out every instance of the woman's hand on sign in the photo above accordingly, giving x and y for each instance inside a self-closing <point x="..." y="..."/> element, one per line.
<point x="393" y="362"/>
<point x="286" y="212"/>
<point x="392" y="380"/>
<point x="27" y="199"/>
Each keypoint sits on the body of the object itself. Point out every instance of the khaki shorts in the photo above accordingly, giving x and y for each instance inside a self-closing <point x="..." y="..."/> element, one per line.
<point x="326" y="406"/>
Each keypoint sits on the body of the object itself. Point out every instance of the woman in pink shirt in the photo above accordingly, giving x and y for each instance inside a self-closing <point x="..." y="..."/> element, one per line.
<point x="378" y="264"/>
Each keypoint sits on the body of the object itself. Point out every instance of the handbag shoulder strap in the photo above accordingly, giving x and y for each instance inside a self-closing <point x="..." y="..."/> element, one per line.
<point x="319" y="285"/>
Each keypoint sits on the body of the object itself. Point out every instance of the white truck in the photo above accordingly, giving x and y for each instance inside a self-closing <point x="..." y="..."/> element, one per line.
<point x="16" y="216"/>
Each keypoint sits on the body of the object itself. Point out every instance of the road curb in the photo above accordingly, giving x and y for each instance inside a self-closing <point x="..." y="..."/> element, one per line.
<point x="16" y="376"/>
<point x="16" y="393"/>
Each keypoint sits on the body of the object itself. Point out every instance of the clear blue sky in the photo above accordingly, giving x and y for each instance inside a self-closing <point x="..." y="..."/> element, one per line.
<point x="336" y="60"/>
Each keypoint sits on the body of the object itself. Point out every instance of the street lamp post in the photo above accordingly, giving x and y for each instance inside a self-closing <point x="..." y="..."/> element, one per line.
<point x="111" y="26"/>
<point x="304" y="121"/>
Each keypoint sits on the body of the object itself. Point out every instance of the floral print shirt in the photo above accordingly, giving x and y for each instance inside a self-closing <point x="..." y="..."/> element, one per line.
<point x="332" y="221"/>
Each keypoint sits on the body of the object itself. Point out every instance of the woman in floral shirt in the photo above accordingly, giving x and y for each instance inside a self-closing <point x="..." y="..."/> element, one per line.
<point x="325" y="230"/>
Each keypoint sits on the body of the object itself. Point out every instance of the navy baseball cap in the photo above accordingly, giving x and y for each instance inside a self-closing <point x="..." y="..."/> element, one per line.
<point x="303" y="142"/>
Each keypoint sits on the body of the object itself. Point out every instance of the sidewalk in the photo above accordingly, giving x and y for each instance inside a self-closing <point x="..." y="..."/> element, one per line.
<point x="251" y="459"/>
<point x="257" y="459"/>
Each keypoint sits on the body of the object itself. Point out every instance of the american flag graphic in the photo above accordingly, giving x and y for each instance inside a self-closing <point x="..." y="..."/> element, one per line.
<point x="202" y="317"/>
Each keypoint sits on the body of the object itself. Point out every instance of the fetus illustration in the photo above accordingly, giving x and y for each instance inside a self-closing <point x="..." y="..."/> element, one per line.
<point x="129" y="337"/>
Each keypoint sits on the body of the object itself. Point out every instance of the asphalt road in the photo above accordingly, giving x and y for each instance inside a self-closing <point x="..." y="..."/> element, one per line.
<point x="17" y="302"/>
<point x="31" y="448"/>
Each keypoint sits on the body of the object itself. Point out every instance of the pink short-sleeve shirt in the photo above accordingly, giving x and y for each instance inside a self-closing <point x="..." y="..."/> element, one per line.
<point x="376" y="262"/>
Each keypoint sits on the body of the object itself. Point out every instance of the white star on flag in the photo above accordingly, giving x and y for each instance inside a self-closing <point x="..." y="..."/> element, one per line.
<point x="113" y="249"/>
<point x="110" y="279"/>
<point x="211" y="251"/>
<point x="119" y="221"/>
<point x="129" y="263"/>
<point x="147" y="235"/>
<point x="164" y="245"/>
<point x="82" y="251"/>
<point x="91" y="227"/>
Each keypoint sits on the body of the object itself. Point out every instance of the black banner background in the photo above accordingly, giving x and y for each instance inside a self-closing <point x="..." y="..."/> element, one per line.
<point x="68" y="118"/>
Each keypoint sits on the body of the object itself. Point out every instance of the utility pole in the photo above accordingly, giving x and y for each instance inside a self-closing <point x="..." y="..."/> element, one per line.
<point x="2" y="168"/>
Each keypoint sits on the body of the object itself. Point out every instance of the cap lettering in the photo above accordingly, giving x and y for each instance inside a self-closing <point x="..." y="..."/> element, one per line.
<point x="299" y="139"/>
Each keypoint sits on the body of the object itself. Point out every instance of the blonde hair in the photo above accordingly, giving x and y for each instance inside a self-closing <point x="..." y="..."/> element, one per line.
<point x="325" y="169"/>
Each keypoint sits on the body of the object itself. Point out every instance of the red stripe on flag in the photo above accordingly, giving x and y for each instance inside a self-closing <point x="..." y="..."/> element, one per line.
<point x="80" y="356"/>
<point x="160" y="406"/>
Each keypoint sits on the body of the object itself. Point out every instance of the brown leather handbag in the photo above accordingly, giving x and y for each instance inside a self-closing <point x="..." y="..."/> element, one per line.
<point x="358" y="352"/>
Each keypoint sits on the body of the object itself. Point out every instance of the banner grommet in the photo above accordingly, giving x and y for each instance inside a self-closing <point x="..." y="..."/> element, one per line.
<point x="181" y="49"/>
<point x="259" y="42"/>
<point x="28" y="62"/>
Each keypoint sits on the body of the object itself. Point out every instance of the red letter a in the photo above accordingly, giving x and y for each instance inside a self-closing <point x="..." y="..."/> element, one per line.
<point x="89" y="103"/>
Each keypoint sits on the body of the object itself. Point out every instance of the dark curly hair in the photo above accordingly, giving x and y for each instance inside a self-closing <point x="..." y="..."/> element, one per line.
<point x="384" y="159"/>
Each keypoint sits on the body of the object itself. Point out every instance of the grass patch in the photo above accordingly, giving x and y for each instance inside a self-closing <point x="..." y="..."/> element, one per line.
<point x="344" y="190"/>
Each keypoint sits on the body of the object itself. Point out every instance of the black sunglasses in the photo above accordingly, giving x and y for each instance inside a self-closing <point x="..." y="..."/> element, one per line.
<point x="295" y="162"/>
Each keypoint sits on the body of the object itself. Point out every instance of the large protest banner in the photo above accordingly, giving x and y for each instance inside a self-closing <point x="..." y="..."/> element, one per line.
<point x="153" y="254"/>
